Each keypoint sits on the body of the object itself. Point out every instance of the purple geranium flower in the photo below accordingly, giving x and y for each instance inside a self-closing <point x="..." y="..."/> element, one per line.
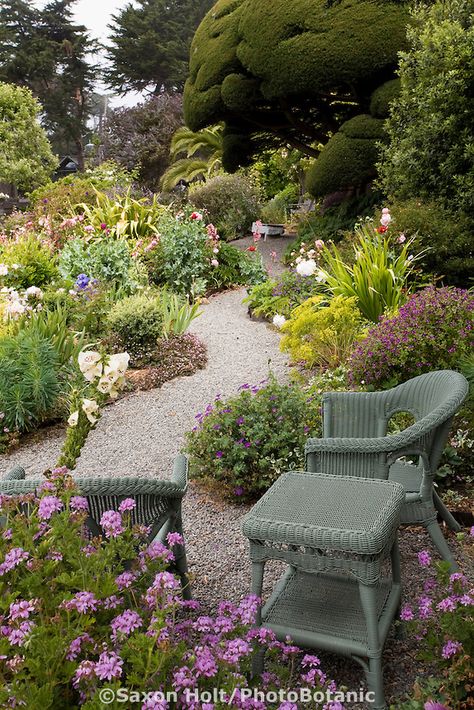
<point x="49" y="505"/>
<point x="111" y="522"/>
<point x="108" y="666"/>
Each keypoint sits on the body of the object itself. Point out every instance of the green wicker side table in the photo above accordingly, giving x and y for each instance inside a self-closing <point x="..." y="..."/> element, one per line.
<point x="334" y="532"/>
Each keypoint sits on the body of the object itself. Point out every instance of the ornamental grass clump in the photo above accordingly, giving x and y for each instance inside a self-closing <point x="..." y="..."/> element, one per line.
<point x="82" y="618"/>
<point x="434" y="330"/>
<point x="442" y="620"/>
<point x="241" y="445"/>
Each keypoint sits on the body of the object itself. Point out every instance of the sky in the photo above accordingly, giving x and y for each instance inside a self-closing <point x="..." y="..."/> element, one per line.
<point x="96" y="15"/>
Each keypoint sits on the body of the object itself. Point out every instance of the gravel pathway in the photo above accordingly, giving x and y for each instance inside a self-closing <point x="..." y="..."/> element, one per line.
<point x="142" y="433"/>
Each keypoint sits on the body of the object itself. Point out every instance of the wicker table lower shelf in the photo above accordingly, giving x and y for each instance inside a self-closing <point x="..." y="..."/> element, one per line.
<point x="318" y="611"/>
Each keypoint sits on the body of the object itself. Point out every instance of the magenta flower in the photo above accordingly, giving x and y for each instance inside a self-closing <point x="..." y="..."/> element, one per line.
<point x="84" y="670"/>
<point x="21" y="609"/>
<point x="174" y="538"/>
<point x="108" y="666"/>
<point x="448" y="604"/>
<point x="219" y="454"/>
<point x="424" y="558"/>
<point x="451" y="648"/>
<point x="79" y="504"/>
<point x="13" y="559"/>
<point x="125" y="623"/>
<point x="49" y="505"/>
<point x="125" y="580"/>
<point x="205" y="663"/>
<point x="83" y="602"/>
<point x="127" y="505"/>
<point x="111" y="522"/>
<point x="433" y="705"/>
<point x="406" y="613"/>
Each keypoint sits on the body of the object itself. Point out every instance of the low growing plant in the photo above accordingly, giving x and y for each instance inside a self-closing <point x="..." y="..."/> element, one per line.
<point x="282" y="294"/>
<point x="81" y="615"/>
<point x="27" y="263"/>
<point x="244" y="443"/>
<point x="177" y="315"/>
<point x="321" y="333"/>
<point x="434" y="330"/>
<point x="135" y="324"/>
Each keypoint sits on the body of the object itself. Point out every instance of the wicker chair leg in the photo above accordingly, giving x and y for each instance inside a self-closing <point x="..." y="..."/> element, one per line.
<point x="182" y="569"/>
<point x="374" y="675"/>
<point x="257" y="584"/>
<point x="440" y="543"/>
<point x="445" y="514"/>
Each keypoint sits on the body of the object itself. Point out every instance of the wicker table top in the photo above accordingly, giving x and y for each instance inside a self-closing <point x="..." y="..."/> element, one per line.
<point x="327" y="511"/>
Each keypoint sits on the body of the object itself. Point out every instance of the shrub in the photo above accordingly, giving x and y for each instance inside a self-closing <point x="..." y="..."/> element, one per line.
<point x="177" y="356"/>
<point x="86" y="304"/>
<point x="181" y="259"/>
<point x="135" y="324"/>
<point x="29" y="383"/>
<point x="236" y="268"/>
<point x="109" y="261"/>
<point x="445" y="237"/>
<point x="231" y="203"/>
<point x="26" y="158"/>
<point x="281" y="295"/>
<point x="379" y="278"/>
<point x="322" y="334"/>
<point x="29" y="263"/>
<point x="81" y="616"/>
<point x="243" y="444"/>
<point x="432" y="331"/>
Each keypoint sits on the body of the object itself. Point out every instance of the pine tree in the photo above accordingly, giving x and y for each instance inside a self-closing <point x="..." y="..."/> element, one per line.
<point x="45" y="51"/>
<point x="150" y="44"/>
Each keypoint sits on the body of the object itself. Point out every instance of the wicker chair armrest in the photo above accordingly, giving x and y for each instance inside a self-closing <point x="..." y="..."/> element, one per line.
<point x="17" y="473"/>
<point x="180" y="472"/>
<point x="372" y="445"/>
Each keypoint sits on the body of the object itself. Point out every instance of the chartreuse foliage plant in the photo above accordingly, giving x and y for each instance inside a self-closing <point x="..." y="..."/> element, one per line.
<point x="29" y="263"/>
<point x="381" y="277"/>
<point x="322" y="333"/>
<point x="241" y="445"/>
<point x="281" y="294"/>
<point x="80" y="616"/>
<point x="123" y="216"/>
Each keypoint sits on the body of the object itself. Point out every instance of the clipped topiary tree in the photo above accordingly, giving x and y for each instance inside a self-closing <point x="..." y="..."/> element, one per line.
<point x="26" y="158"/>
<point x="289" y="73"/>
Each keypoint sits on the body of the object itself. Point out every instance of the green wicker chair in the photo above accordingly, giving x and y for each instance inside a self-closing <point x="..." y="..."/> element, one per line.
<point x="355" y="442"/>
<point x="158" y="504"/>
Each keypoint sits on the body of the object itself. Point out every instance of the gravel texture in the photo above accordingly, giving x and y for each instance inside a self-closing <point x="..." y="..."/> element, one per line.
<point x="143" y="432"/>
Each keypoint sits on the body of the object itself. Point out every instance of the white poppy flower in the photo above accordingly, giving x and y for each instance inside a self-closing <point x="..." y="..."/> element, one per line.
<point x="279" y="320"/>
<point x="306" y="268"/>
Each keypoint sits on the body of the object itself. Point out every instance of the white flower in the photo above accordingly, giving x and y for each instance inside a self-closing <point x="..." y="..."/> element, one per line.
<point x="73" y="419"/>
<point x="306" y="268"/>
<point x="386" y="217"/>
<point x="214" y="262"/>
<point x="16" y="266"/>
<point x="34" y="291"/>
<point x="72" y="292"/>
<point x="89" y="364"/>
<point x="61" y="290"/>
<point x="279" y="320"/>
<point x="321" y="276"/>
<point x="15" y="308"/>
<point x="90" y="409"/>
<point x="117" y="363"/>
<point x="3" y="270"/>
<point x="215" y="250"/>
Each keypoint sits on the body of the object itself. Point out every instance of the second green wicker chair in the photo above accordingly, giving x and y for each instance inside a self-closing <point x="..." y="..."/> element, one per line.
<point x="355" y="442"/>
<point x="158" y="504"/>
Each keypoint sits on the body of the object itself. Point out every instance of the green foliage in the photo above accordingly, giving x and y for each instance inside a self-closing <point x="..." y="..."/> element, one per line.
<point x="29" y="385"/>
<point x="231" y="202"/>
<point x="26" y="158"/>
<point x="445" y="236"/>
<point x="286" y="73"/>
<point x="430" y="153"/>
<point x="108" y="260"/>
<point x="348" y="159"/>
<point x="383" y="97"/>
<point x="149" y="44"/>
<point x="181" y="260"/>
<point x="236" y="268"/>
<point x="44" y="49"/>
<point x="278" y="170"/>
<point x="177" y="316"/>
<point x="36" y="265"/>
<point x="242" y="444"/>
<point x="122" y="216"/>
<point x="281" y="295"/>
<point x="379" y="276"/>
<point x="276" y="210"/>
<point x="135" y="324"/>
<point x="322" y="334"/>
<point x="85" y="309"/>
<point x="203" y="155"/>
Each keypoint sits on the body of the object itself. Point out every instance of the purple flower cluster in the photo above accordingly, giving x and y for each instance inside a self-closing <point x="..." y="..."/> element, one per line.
<point x="433" y="330"/>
